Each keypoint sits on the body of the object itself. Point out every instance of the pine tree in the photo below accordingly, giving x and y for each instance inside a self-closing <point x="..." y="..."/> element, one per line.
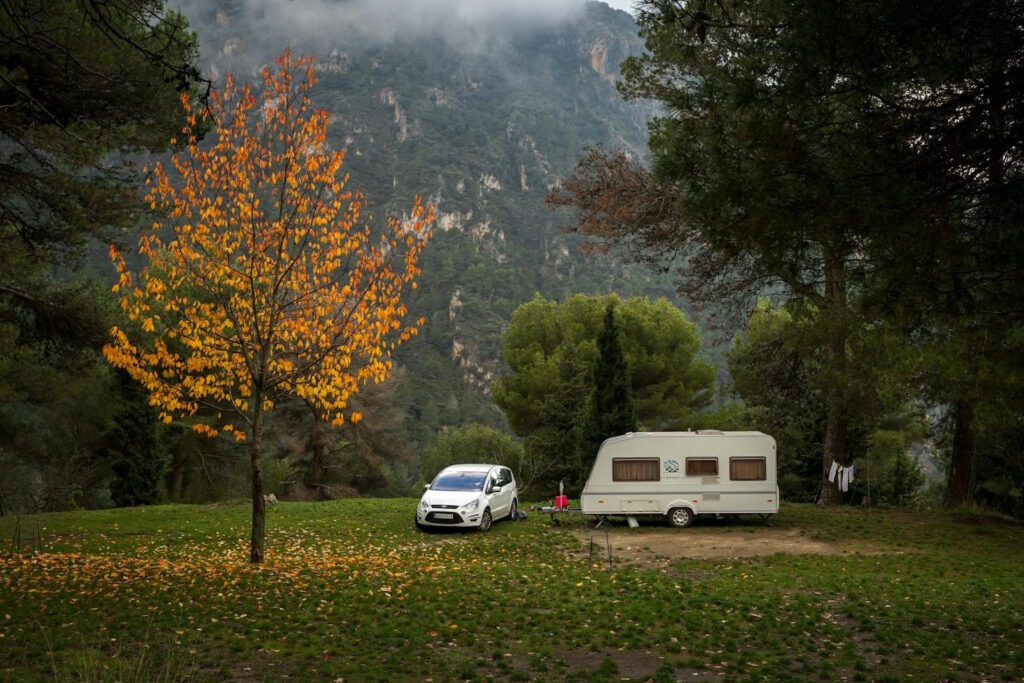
<point x="139" y="460"/>
<point x="809" y="149"/>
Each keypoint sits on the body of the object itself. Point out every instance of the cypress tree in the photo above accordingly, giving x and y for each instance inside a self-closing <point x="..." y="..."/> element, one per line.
<point x="611" y="411"/>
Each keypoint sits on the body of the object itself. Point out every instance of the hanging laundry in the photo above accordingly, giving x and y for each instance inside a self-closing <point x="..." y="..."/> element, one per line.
<point x="832" y="471"/>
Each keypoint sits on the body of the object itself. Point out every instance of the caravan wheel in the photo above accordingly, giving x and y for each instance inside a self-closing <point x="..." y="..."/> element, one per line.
<point x="680" y="517"/>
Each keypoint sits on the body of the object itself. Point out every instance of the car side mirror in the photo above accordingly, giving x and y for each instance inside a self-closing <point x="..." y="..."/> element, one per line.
<point x="496" y="488"/>
<point x="426" y="487"/>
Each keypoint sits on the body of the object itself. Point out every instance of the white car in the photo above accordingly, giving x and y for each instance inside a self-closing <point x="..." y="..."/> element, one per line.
<point x="469" y="496"/>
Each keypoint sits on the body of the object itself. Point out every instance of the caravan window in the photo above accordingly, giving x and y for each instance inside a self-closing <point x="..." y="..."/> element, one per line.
<point x="636" y="469"/>
<point x="747" y="469"/>
<point x="702" y="467"/>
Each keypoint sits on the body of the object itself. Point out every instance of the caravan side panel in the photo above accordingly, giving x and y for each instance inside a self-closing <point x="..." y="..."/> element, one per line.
<point x="648" y="473"/>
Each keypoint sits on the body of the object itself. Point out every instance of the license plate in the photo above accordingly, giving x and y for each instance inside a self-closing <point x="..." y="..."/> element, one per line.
<point x="443" y="515"/>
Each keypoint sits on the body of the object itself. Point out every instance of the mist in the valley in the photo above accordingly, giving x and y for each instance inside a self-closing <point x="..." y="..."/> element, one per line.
<point x="263" y="27"/>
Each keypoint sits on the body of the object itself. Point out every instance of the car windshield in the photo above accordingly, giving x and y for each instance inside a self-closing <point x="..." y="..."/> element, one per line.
<point x="460" y="481"/>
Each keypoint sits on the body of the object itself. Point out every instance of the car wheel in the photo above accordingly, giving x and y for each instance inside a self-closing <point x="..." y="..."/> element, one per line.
<point x="485" y="520"/>
<point x="513" y="513"/>
<point x="418" y="525"/>
<point x="680" y="517"/>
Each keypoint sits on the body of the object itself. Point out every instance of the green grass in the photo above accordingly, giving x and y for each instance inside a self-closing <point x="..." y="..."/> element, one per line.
<point x="351" y="590"/>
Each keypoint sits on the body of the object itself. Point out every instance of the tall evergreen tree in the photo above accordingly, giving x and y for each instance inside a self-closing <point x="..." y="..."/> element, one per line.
<point x="763" y="165"/>
<point x="861" y="157"/>
<point x="85" y="88"/>
<point x="139" y="460"/>
<point x="611" y="411"/>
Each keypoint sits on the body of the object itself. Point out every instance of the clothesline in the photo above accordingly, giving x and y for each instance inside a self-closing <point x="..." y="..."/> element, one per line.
<point x="842" y="476"/>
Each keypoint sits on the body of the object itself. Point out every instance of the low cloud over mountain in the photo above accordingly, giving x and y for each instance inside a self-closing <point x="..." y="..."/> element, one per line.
<point x="463" y="24"/>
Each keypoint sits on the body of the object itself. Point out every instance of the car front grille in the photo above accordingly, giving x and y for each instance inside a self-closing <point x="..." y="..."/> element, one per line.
<point x="434" y="519"/>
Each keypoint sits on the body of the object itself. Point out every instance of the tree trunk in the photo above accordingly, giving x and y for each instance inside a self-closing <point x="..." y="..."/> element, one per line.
<point x="258" y="504"/>
<point x="831" y="449"/>
<point x="960" y="488"/>
<point x="834" y="443"/>
<point x="177" y="476"/>
<point x="319" y="455"/>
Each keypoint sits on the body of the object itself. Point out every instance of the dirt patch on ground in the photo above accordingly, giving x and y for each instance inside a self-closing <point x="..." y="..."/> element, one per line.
<point x="649" y="548"/>
<point x="629" y="664"/>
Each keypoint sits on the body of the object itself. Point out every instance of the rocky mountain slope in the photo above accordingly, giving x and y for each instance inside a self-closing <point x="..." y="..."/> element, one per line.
<point x="481" y="115"/>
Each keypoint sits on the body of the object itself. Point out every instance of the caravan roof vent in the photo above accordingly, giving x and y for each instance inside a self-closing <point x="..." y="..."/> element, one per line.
<point x="709" y="431"/>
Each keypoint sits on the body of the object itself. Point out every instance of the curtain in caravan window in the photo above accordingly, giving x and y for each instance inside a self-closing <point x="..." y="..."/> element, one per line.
<point x="636" y="469"/>
<point x="747" y="469"/>
<point x="702" y="467"/>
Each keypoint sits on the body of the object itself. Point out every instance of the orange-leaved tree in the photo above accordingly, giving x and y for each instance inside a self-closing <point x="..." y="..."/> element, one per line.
<point x="261" y="280"/>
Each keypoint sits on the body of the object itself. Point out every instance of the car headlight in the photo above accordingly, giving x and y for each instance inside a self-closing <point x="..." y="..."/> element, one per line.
<point x="424" y="505"/>
<point x="472" y="505"/>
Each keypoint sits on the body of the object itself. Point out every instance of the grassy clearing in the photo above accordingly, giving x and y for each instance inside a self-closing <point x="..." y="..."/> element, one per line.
<point x="351" y="590"/>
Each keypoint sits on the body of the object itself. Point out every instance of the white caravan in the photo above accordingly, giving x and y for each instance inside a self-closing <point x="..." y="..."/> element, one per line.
<point x="683" y="474"/>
